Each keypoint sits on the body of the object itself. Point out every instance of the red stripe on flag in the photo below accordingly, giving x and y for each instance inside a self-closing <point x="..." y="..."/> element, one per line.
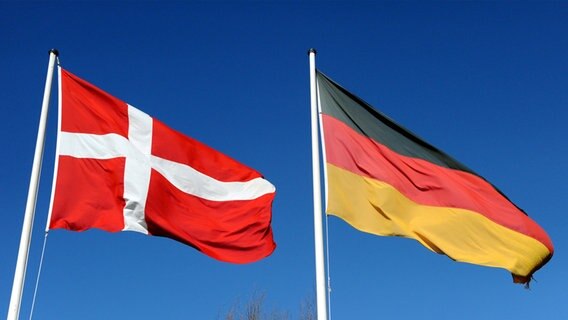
<point x="423" y="182"/>
<point x="174" y="146"/>
<point x="88" y="109"/>
<point x="231" y="231"/>
<point x="88" y="194"/>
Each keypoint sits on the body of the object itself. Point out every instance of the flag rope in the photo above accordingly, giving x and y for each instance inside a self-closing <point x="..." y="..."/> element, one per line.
<point x="38" y="275"/>
<point x="328" y="266"/>
<point x="328" y="284"/>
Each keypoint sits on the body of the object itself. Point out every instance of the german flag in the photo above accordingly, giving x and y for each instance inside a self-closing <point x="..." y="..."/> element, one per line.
<point x="383" y="179"/>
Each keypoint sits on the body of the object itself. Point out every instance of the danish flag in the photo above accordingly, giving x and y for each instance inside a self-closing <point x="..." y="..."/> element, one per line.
<point x="119" y="169"/>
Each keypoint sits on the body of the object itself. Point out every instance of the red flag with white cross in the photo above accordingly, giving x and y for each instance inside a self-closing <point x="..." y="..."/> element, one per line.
<point x="119" y="169"/>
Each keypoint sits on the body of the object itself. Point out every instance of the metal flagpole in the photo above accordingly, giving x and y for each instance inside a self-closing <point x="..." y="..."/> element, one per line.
<point x="25" y="239"/>
<point x="321" y="301"/>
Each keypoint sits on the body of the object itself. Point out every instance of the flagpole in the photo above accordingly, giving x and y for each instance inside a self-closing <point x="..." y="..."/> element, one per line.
<point x="321" y="301"/>
<point x="25" y="239"/>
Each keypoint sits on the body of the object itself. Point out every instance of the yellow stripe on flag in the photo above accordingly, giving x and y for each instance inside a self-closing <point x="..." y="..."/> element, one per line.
<point x="376" y="207"/>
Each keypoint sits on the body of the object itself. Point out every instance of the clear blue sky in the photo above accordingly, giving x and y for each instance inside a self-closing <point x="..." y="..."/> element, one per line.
<point x="486" y="82"/>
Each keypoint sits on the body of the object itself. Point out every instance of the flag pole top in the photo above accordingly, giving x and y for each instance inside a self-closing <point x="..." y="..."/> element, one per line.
<point x="54" y="51"/>
<point x="312" y="50"/>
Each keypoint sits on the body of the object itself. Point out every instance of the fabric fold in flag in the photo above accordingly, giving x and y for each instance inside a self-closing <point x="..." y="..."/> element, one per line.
<point x="383" y="179"/>
<point x="119" y="169"/>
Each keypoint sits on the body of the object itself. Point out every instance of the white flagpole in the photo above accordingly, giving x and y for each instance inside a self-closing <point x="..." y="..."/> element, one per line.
<point x="321" y="301"/>
<point x="25" y="239"/>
